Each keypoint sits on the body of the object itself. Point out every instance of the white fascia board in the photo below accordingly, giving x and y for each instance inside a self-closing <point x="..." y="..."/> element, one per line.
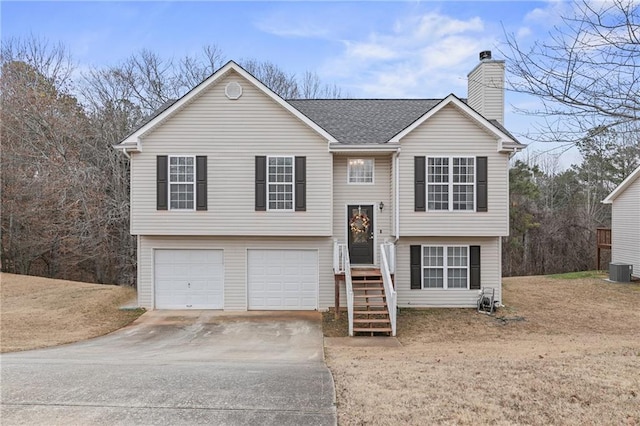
<point x="197" y="91"/>
<point x="453" y="99"/>
<point x="363" y="148"/>
<point x="510" y="147"/>
<point x="128" y="146"/>
<point x="624" y="185"/>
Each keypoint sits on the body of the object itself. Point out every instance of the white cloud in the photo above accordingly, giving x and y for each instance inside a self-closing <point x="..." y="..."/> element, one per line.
<point x="301" y="30"/>
<point x="550" y="14"/>
<point x="524" y="32"/>
<point x="435" y="25"/>
<point x="369" y="51"/>
<point x="283" y="25"/>
<point x="419" y="56"/>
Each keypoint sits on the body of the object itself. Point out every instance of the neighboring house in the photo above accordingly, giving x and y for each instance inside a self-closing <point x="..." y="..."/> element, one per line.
<point x="625" y="222"/>
<point x="238" y="196"/>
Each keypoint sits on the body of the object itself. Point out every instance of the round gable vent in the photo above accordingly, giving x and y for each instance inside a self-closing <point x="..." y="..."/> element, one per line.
<point x="233" y="90"/>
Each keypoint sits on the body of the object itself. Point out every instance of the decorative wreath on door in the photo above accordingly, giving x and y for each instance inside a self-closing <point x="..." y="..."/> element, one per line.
<point x="359" y="223"/>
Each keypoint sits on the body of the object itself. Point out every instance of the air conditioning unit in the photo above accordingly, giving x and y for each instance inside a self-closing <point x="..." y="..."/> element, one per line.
<point x="620" y="272"/>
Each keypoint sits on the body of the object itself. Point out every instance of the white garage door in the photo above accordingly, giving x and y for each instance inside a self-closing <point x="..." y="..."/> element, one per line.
<point x="189" y="279"/>
<point x="283" y="279"/>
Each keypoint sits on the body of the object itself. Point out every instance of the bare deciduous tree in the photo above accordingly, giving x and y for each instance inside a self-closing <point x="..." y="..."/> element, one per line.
<point x="312" y="88"/>
<point x="586" y="75"/>
<point x="192" y="70"/>
<point x="273" y="77"/>
<point x="554" y="214"/>
<point x="287" y="85"/>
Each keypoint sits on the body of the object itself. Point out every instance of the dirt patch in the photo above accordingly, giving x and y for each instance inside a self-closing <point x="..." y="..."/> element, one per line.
<point x="560" y="352"/>
<point x="38" y="312"/>
<point x="335" y="327"/>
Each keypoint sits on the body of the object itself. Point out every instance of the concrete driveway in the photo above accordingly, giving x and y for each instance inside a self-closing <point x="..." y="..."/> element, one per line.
<point x="178" y="367"/>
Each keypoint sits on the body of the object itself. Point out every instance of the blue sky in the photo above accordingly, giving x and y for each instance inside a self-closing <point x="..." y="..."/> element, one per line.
<point x="370" y="49"/>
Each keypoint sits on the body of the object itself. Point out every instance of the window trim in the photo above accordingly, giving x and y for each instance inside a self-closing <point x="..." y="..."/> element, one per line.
<point x="169" y="183"/>
<point x="445" y="266"/>
<point x="450" y="184"/>
<point x="373" y="171"/>
<point x="292" y="183"/>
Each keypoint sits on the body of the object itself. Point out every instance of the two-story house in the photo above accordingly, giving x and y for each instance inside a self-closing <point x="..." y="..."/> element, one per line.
<point x="242" y="200"/>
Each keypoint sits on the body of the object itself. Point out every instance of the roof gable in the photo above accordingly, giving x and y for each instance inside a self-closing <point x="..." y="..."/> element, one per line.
<point x="132" y="141"/>
<point x="507" y="141"/>
<point x="623" y="186"/>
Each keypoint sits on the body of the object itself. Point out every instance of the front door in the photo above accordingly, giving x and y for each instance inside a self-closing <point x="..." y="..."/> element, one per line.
<point x="360" y="230"/>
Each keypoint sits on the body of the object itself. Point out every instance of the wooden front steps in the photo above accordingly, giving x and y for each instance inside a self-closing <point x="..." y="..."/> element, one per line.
<point x="370" y="311"/>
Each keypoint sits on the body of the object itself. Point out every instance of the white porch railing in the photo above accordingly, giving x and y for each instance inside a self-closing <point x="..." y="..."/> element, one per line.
<point x="387" y="251"/>
<point x="338" y="257"/>
<point x="342" y="265"/>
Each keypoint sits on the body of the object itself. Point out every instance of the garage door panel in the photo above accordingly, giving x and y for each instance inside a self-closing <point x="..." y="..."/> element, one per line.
<point x="164" y="270"/>
<point x="292" y="270"/>
<point x="186" y="279"/>
<point x="168" y="284"/>
<point x="199" y="286"/>
<point x="282" y="279"/>
<point x="291" y="287"/>
<point x="162" y="256"/>
<point x="198" y="270"/>
<point x="273" y="287"/>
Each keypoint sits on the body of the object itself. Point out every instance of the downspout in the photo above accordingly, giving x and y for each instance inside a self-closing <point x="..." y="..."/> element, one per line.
<point x="126" y="154"/>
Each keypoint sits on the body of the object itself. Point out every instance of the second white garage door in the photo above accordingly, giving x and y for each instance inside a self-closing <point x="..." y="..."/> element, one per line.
<point x="282" y="279"/>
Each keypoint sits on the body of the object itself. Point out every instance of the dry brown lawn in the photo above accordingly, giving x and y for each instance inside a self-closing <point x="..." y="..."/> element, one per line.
<point x="564" y="352"/>
<point x="37" y="312"/>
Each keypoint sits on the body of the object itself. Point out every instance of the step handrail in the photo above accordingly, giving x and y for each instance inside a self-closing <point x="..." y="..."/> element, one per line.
<point x="389" y="290"/>
<point x="389" y="250"/>
<point x="346" y="263"/>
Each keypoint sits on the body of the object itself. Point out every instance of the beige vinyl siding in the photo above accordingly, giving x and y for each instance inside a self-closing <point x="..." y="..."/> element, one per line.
<point x="625" y="224"/>
<point x="231" y="133"/>
<point x="235" y="263"/>
<point x="451" y="133"/>
<point x="486" y="90"/>
<point x="490" y="275"/>
<point x="345" y="194"/>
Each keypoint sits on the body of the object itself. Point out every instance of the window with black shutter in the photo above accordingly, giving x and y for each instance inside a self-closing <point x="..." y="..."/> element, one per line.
<point x="162" y="188"/>
<point x="445" y="267"/>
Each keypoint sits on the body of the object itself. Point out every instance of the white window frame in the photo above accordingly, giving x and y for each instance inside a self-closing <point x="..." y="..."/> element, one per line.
<point x="445" y="266"/>
<point x="364" y="160"/>
<point x="450" y="184"/>
<point x="293" y="183"/>
<point x="192" y="183"/>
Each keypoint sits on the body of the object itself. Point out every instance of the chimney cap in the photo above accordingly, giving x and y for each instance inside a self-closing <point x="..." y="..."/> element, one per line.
<point x="485" y="55"/>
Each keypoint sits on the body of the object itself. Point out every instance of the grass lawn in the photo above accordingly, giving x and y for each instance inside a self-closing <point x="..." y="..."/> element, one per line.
<point x="37" y="312"/>
<point x="564" y="350"/>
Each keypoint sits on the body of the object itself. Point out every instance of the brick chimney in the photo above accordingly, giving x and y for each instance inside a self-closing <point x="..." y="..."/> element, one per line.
<point x="486" y="87"/>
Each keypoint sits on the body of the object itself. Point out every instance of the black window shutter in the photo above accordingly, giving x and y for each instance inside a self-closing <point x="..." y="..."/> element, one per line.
<point x="261" y="183"/>
<point x="301" y="184"/>
<point x="474" y="264"/>
<point x="416" y="266"/>
<point x="481" y="184"/>
<point x="419" y="184"/>
<point x="201" y="182"/>
<point x="162" y="182"/>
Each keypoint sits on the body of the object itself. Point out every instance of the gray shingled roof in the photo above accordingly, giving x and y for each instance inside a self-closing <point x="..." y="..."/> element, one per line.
<point x="357" y="121"/>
